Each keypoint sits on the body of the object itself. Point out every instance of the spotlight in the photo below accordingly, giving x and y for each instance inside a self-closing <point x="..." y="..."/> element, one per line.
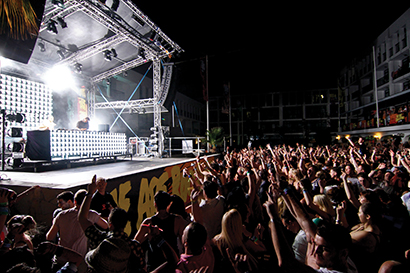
<point x="60" y="53"/>
<point x="15" y="132"/>
<point x="16" y="117"/>
<point x="141" y="53"/>
<point x="78" y="68"/>
<point x="51" y="27"/>
<point x="62" y="23"/>
<point x="114" y="53"/>
<point x="115" y="4"/>
<point x="58" y="3"/>
<point x="42" y="46"/>
<point x="107" y="55"/>
<point x="16" y="147"/>
<point x="14" y="162"/>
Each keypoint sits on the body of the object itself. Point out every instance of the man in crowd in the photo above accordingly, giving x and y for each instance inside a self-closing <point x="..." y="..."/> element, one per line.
<point x="70" y="232"/>
<point x="102" y="201"/>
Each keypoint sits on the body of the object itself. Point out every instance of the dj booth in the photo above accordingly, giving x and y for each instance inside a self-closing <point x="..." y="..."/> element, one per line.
<point x="74" y="144"/>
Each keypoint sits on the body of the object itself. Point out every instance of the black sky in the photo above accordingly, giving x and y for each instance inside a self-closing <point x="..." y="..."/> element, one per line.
<point x="265" y="47"/>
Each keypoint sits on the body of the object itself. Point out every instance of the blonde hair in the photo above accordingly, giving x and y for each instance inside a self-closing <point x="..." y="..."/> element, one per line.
<point x="324" y="203"/>
<point x="231" y="235"/>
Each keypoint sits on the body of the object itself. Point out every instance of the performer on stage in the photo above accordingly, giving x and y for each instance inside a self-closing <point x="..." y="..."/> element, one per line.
<point x="83" y="124"/>
<point x="48" y="124"/>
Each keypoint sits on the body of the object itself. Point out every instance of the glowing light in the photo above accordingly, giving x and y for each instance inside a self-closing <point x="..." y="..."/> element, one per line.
<point x="378" y="135"/>
<point x="60" y="78"/>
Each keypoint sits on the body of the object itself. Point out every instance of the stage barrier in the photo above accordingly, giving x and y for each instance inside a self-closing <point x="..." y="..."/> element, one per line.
<point x="134" y="193"/>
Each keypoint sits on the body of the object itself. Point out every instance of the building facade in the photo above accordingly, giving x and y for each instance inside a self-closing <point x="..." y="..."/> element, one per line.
<point x="278" y="117"/>
<point x="374" y="88"/>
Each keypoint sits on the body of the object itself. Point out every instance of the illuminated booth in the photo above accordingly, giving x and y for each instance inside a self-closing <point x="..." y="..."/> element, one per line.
<point x="73" y="144"/>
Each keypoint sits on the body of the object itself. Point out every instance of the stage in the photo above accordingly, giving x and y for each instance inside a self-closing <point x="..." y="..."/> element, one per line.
<point x="132" y="182"/>
<point x="80" y="176"/>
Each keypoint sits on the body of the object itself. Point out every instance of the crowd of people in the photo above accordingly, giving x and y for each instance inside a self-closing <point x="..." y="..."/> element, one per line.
<point x="337" y="208"/>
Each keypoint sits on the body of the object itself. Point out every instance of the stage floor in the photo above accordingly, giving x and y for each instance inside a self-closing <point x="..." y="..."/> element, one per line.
<point x="79" y="176"/>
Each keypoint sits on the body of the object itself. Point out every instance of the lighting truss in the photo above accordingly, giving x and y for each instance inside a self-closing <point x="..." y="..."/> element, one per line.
<point x="154" y="51"/>
<point x="123" y="32"/>
<point x="145" y="106"/>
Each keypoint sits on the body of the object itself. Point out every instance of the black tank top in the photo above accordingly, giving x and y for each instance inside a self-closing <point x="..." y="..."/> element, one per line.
<point x="155" y="255"/>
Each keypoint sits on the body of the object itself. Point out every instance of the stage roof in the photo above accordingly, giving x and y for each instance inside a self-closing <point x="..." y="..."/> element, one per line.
<point x="98" y="39"/>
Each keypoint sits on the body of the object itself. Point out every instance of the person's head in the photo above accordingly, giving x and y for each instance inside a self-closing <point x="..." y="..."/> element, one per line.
<point x="332" y="243"/>
<point x="162" y="200"/>
<point x="210" y="189"/>
<point x="388" y="176"/>
<point x="111" y="255"/>
<point x="194" y="238"/>
<point x="289" y="221"/>
<point x="79" y="197"/>
<point x="335" y="172"/>
<point x="86" y="119"/>
<point x="323" y="202"/>
<point x="363" y="180"/>
<point x="177" y="206"/>
<point x="369" y="213"/>
<point x="117" y="219"/>
<point x="231" y="228"/>
<point x="65" y="200"/>
<point x="369" y="196"/>
<point x="311" y="171"/>
<point x="101" y="185"/>
<point x="26" y="221"/>
<point x="349" y="169"/>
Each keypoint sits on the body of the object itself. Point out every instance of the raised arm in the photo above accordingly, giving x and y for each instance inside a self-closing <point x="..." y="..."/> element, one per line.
<point x="85" y="206"/>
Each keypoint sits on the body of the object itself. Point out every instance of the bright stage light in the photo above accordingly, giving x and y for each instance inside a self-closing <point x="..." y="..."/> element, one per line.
<point x="60" y="78"/>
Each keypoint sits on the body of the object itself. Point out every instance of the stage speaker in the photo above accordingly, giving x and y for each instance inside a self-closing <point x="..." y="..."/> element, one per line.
<point x="103" y="128"/>
<point x="16" y="48"/>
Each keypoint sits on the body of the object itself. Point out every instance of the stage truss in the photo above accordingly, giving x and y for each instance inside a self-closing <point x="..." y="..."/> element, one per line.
<point x="145" y="36"/>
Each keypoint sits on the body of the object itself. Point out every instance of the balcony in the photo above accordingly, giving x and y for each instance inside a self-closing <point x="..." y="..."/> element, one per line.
<point x="383" y="80"/>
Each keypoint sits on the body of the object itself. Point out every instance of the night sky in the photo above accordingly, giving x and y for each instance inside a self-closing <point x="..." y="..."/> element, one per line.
<point x="269" y="47"/>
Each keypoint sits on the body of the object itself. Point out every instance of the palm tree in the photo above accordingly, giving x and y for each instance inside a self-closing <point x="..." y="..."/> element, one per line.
<point x="215" y="137"/>
<point x="18" y="19"/>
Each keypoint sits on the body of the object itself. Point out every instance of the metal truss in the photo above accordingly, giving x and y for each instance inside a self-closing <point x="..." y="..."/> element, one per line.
<point x="123" y="32"/>
<point x="163" y="47"/>
<point x="92" y="50"/>
<point x="143" y="106"/>
<point x="157" y="106"/>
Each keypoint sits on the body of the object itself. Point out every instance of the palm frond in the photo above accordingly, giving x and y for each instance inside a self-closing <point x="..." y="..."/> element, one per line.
<point x="18" y="19"/>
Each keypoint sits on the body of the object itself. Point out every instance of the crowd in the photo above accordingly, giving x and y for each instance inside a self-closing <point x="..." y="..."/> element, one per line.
<point x="340" y="208"/>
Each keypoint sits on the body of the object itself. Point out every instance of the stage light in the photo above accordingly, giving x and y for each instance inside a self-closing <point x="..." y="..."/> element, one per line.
<point x="51" y="27"/>
<point x="107" y="55"/>
<point x="14" y="162"/>
<point x="58" y="3"/>
<point x="15" y="132"/>
<point x="62" y="23"/>
<point x="59" y="78"/>
<point x="141" y="54"/>
<point x="60" y="54"/>
<point x="115" y="4"/>
<point x="78" y="68"/>
<point x="16" y="147"/>
<point x="42" y="47"/>
<point x="114" y="53"/>
<point x="16" y="117"/>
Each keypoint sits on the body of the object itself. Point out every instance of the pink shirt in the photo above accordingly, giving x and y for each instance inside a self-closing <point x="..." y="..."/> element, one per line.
<point x="71" y="233"/>
<point x="191" y="262"/>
